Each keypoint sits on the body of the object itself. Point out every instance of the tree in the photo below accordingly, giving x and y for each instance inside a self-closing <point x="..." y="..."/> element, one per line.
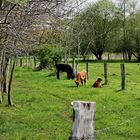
<point x="128" y="9"/>
<point x="16" y="23"/>
<point x="19" y="26"/>
<point x="133" y="33"/>
<point x="96" y="26"/>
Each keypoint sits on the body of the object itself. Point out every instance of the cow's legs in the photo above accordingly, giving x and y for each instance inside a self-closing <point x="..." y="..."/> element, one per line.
<point x="58" y="74"/>
<point x="84" y="81"/>
<point x="68" y="76"/>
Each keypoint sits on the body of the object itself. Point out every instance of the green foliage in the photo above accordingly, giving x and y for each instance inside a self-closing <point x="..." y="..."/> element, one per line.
<point x="48" y="55"/>
<point x="95" y="26"/>
<point x="43" y="111"/>
<point x="21" y="2"/>
<point x="133" y="34"/>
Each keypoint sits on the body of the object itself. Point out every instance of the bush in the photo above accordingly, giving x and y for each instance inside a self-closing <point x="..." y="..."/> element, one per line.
<point x="48" y="55"/>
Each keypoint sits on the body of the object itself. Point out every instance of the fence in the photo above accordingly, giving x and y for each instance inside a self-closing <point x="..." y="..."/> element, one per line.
<point x="122" y="66"/>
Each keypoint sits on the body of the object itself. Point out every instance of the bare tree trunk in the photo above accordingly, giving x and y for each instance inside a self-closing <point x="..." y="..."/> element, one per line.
<point x="10" y="83"/>
<point x="74" y="66"/>
<point x="129" y="53"/>
<point x="34" y="62"/>
<point x="1" y="76"/>
<point x="65" y="57"/>
<point x="20" y="62"/>
<point x="0" y="84"/>
<point x="78" y="52"/>
<point x="5" y="75"/>
<point x="26" y="60"/>
<point x="30" y="61"/>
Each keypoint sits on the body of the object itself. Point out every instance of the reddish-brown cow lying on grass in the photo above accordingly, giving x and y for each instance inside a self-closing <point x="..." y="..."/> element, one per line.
<point x="97" y="83"/>
<point x="81" y="78"/>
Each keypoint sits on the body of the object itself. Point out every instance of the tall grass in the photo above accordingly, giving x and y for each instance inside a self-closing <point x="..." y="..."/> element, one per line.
<point x="42" y="109"/>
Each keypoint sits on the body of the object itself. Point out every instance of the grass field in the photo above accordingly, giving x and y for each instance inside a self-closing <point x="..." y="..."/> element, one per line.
<point x="42" y="109"/>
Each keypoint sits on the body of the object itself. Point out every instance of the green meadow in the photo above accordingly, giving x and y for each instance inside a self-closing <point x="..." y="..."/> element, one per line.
<point x="42" y="104"/>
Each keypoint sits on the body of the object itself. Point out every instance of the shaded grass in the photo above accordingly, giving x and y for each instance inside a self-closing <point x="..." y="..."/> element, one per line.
<point x="42" y="109"/>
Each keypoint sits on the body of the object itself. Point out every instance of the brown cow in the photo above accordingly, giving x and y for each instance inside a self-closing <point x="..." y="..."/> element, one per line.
<point x="81" y="78"/>
<point x="97" y="83"/>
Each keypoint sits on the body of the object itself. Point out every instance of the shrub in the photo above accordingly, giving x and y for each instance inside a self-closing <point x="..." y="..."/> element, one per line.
<point x="48" y="55"/>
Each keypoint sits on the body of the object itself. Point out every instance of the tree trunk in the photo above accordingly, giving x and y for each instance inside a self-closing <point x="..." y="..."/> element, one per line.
<point x="5" y="75"/>
<point x="20" y="62"/>
<point x="26" y="60"/>
<point x="1" y="75"/>
<point x="97" y="53"/>
<point x="129" y="53"/>
<point x="84" y="121"/>
<point x="10" y="83"/>
<point x="34" y="62"/>
<point x="65" y="57"/>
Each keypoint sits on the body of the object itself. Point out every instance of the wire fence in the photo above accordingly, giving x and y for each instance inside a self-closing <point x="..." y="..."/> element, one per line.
<point x="108" y="128"/>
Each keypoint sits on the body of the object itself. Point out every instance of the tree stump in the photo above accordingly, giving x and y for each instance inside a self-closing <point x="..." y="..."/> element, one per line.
<point x="84" y="121"/>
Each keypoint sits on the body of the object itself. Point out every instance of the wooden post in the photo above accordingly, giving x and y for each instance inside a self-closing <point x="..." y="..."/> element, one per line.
<point x="34" y="62"/>
<point x="20" y="62"/>
<point x="84" y="121"/>
<point x="123" y="76"/>
<point x="105" y="73"/>
<point x="73" y="64"/>
<point x="87" y="70"/>
<point x="76" y="68"/>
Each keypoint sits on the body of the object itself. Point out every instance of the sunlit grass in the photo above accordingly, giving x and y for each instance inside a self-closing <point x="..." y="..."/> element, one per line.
<point x="42" y="104"/>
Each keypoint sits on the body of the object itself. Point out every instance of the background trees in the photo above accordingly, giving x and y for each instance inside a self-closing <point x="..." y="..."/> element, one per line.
<point x="97" y="24"/>
<point x="105" y="26"/>
<point x="20" y="32"/>
<point x="133" y="35"/>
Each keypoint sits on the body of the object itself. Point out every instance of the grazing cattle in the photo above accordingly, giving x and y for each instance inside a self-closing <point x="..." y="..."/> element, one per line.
<point x="97" y="83"/>
<point x="65" y="68"/>
<point x="81" y="78"/>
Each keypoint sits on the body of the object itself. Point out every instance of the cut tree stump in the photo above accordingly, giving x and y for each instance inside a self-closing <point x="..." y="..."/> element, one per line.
<point x="84" y="121"/>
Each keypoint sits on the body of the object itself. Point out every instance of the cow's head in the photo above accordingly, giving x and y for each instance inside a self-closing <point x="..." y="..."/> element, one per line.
<point x="72" y="76"/>
<point x="77" y="83"/>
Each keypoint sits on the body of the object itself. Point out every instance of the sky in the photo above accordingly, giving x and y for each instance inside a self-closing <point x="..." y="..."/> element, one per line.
<point x="112" y="0"/>
<point x="138" y="2"/>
